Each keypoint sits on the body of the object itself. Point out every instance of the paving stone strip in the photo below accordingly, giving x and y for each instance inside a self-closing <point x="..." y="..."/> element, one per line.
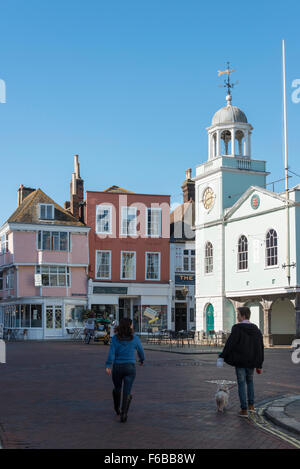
<point x="276" y="412"/>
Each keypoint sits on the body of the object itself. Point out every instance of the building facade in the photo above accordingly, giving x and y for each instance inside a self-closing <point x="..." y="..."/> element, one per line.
<point x="182" y="259"/>
<point x="129" y="256"/>
<point x="43" y="268"/>
<point x="246" y="237"/>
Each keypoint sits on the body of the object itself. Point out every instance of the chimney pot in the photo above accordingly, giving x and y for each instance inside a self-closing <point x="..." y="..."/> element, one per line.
<point x="188" y="173"/>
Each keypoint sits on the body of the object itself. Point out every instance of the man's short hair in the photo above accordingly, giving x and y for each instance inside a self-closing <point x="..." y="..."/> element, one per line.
<point x="244" y="312"/>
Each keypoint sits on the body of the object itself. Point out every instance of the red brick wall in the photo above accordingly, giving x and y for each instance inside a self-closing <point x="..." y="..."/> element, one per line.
<point x="140" y="243"/>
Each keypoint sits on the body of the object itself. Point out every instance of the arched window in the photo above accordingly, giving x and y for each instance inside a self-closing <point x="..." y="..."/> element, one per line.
<point x="242" y="253"/>
<point x="271" y="248"/>
<point x="208" y="258"/>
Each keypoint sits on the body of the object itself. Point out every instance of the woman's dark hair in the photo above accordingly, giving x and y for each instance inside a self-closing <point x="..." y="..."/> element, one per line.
<point x="124" y="330"/>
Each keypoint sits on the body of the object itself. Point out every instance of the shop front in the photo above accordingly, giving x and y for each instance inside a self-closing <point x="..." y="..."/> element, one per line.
<point x="43" y="319"/>
<point x="147" y="306"/>
<point x="183" y="310"/>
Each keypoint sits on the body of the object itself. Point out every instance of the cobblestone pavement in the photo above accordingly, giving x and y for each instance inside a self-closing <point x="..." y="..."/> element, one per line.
<point x="57" y="395"/>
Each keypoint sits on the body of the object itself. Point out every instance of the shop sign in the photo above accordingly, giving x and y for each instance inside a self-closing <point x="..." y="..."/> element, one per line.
<point x="110" y="290"/>
<point x="184" y="279"/>
<point x="38" y="280"/>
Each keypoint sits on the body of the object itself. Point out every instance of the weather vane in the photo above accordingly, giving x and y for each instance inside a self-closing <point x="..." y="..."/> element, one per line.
<point x="227" y="82"/>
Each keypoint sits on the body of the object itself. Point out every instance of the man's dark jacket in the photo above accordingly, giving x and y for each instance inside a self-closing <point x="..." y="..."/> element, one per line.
<point x="244" y="347"/>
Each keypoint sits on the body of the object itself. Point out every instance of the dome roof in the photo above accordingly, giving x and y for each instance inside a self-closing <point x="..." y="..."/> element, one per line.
<point x="229" y="114"/>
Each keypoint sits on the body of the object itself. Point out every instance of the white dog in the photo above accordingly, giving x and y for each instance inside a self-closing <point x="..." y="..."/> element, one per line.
<point x="222" y="396"/>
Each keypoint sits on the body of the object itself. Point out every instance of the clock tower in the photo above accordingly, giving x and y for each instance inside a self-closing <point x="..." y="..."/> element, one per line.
<point x="219" y="183"/>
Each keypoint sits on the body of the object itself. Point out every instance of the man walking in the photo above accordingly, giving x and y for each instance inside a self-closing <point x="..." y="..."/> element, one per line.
<point x="244" y="350"/>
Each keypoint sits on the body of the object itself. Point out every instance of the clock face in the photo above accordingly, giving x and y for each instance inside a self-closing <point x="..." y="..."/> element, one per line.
<point x="208" y="198"/>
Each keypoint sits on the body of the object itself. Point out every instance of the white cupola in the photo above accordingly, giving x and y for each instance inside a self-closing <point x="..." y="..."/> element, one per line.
<point x="230" y="133"/>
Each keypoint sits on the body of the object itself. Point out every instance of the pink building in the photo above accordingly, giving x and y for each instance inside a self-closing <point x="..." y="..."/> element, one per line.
<point x="44" y="261"/>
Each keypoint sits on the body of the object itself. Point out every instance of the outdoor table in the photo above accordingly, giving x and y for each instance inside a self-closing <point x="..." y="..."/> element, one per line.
<point x="77" y="332"/>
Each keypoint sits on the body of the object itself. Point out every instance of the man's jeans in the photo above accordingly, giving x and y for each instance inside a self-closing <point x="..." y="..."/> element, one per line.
<point x="123" y="373"/>
<point x="245" y="376"/>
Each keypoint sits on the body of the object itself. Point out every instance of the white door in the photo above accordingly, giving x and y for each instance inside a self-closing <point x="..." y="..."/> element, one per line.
<point x="53" y="321"/>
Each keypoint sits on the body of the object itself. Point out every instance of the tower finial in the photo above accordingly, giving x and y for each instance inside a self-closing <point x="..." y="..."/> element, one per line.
<point x="227" y="82"/>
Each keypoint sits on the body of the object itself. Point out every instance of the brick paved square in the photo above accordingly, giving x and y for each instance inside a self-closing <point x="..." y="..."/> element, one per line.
<point x="57" y="395"/>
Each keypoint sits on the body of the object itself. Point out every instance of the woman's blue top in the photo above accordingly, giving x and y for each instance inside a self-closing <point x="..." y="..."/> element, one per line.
<point x="123" y="351"/>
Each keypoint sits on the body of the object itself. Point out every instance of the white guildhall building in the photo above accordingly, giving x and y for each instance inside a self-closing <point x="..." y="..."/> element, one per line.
<point x="242" y="234"/>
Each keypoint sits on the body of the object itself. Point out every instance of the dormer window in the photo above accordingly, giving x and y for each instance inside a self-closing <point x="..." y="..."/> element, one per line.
<point x="46" y="211"/>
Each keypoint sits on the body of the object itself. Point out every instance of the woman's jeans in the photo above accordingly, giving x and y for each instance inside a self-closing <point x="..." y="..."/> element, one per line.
<point x="123" y="373"/>
<point x="245" y="376"/>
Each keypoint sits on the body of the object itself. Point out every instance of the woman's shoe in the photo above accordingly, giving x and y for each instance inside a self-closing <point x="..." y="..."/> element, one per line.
<point x="125" y="406"/>
<point x="117" y="400"/>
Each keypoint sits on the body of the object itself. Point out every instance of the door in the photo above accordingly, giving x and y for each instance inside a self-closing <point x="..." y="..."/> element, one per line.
<point x="53" y="321"/>
<point x="210" y="322"/>
<point x="180" y="317"/>
<point x="124" y="308"/>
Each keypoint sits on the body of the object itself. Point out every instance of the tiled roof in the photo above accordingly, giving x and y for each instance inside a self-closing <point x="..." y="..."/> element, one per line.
<point x="117" y="190"/>
<point x="28" y="211"/>
<point x="181" y="221"/>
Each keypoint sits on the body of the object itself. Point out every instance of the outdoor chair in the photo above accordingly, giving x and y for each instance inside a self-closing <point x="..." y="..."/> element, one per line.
<point x="173" y="336"/>
<point x="212" y="338"/>
<point x="70" y="332"/>
<point x="153" y="336"/>
<point x="191" y="337"/>
<point x="203" y="338"/>
<point x="222" y="337"/>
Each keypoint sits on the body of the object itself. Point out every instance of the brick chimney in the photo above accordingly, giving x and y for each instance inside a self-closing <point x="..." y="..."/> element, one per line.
<point x="76" y="192"/>
<point x="188" y="187"/>
<point x="22" y="193"/>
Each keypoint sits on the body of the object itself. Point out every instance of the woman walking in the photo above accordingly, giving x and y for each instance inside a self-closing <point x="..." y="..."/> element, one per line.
<point x="121" y="357"/>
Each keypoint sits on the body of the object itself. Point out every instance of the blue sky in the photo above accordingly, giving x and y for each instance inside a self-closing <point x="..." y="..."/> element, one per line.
<point x="131" y="85"/>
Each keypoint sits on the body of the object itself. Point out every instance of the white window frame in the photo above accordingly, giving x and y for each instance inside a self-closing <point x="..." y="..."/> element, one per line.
<point x="267" y="251"/>
<point x="178" y="259"/>
<point x="208" y="260"/>
<point x="124" y="217"/>
<point x="67" y="273"/>
<point x="134" y="276"/>
<point x="40" y="246"/>
<point x="52" y="211"/>
<point x="153" y="209"/>
<point x="193" y="256"/>
<point x="189" y="256"/>
<point x="4" y="243"/>
<point x="242" y="256"/>
<point x="104" y="207"/>
<point x="9" y="279"/>
<point x="96" y="264"/>
<point x="146" y="266"/>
